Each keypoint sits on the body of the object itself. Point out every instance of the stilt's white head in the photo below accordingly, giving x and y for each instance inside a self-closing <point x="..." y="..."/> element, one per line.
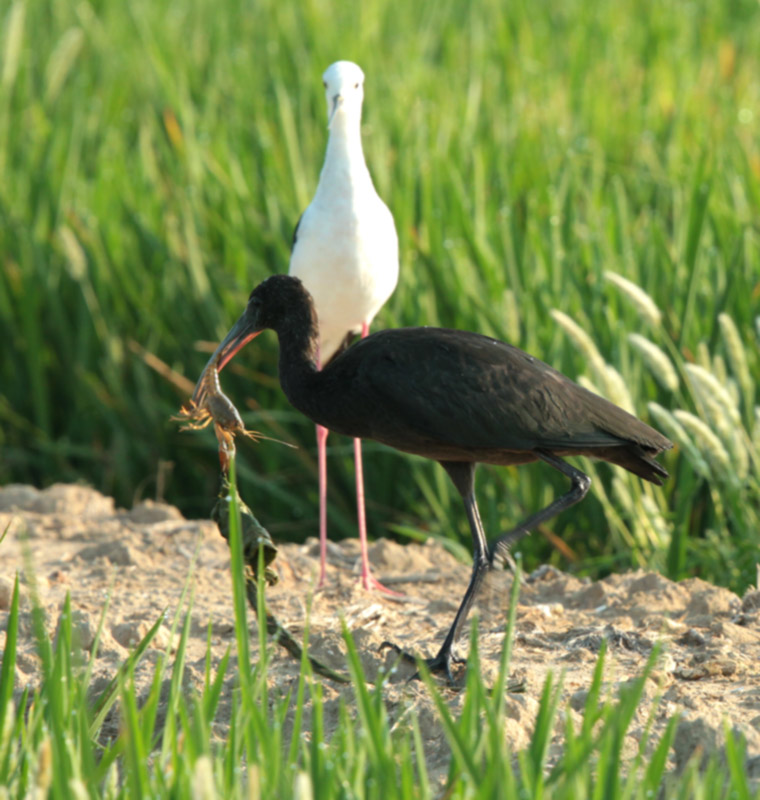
<point x="344" y="90"/>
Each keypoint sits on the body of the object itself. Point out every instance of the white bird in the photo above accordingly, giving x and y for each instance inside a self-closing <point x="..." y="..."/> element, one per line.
<point x="345" y="250"/>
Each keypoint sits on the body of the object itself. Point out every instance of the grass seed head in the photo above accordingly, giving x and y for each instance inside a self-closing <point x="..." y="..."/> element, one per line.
<point x="303" y="789"/>
<point x="708" y="443"/>
<point x="111" y="783"/>
<point x="588" y="384"/>
<point x="203" y="779"/>
<point x="582" y="340"/>
<point x="75" y="255"/>
<point x="77" y="790"/>
<point x="675" y="431"/>
<point x="703" y="355"/>
<point x="708" y="389"/>
<point x="719" y="369"/>
<point x="737" y="355"/>
<point x="616" y="389"/>
<point x="643" y="303"/>
<point x="254" y="782"/>
<point x="14" y="36"/>
<point x="44" y="767"/>
<point x="657" y="361"/>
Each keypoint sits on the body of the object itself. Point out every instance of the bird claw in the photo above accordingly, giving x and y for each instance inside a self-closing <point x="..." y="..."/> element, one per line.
<point x="500" y="557"/>
<point x="370" y="583"/>
<point x="438" y="664"/>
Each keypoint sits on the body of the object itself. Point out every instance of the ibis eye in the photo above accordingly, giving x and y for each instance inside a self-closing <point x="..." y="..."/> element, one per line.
<point x="356" y="86"/>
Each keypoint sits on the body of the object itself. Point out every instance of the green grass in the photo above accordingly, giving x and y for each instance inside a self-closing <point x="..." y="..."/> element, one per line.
<point x="53" y="744"/>
<point x="155" y="158"/>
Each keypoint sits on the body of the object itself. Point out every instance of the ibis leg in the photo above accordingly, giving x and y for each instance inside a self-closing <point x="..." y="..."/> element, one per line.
<point x="499" y="550"/>
<point x="463" y="476"/>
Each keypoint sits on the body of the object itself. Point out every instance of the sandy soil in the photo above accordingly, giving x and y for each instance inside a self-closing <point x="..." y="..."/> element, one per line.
<point x="74" y="540"/>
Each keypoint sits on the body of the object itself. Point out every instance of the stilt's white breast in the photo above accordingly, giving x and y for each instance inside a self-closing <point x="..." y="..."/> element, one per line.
<point x="346" y="248"/>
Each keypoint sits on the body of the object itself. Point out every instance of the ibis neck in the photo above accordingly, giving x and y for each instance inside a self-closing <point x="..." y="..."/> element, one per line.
<point x="299" y="352"/>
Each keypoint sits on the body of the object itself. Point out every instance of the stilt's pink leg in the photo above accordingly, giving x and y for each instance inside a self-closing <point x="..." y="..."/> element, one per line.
<point x="368" y="580"/>
<point x="322" y="433"/>
<point x="322" y="464"/>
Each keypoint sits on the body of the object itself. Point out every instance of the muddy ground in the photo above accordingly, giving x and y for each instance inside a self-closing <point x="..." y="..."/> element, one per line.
<point x="77" y="542"/>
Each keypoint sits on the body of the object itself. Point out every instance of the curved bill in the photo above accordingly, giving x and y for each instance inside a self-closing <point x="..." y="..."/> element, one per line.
<point x="238" y="337"/>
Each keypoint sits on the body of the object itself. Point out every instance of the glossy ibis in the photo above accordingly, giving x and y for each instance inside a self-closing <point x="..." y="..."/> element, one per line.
<point x="345" y="250"/>
<point x="457" y="397"/>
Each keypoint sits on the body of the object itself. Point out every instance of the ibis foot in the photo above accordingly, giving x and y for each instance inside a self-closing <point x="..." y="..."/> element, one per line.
<point x="438" y="664"/>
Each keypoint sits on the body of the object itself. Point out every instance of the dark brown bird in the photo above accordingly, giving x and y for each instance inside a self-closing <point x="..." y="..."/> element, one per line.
<point x="457" y="397"/>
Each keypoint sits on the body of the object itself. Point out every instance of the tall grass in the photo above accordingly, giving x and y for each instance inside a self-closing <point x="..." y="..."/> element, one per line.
<point x="53" y="741"/>
<point x="155" y="157"/>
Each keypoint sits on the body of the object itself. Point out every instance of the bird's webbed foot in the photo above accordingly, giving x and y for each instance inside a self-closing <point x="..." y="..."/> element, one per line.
<point x="439" y="664"/>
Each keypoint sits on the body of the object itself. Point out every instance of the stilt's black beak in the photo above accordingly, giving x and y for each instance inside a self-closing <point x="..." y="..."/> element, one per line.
<point x="337" y="100"/>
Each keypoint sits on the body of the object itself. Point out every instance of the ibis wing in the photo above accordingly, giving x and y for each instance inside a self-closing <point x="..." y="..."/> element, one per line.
<point x="468" y="390"/>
